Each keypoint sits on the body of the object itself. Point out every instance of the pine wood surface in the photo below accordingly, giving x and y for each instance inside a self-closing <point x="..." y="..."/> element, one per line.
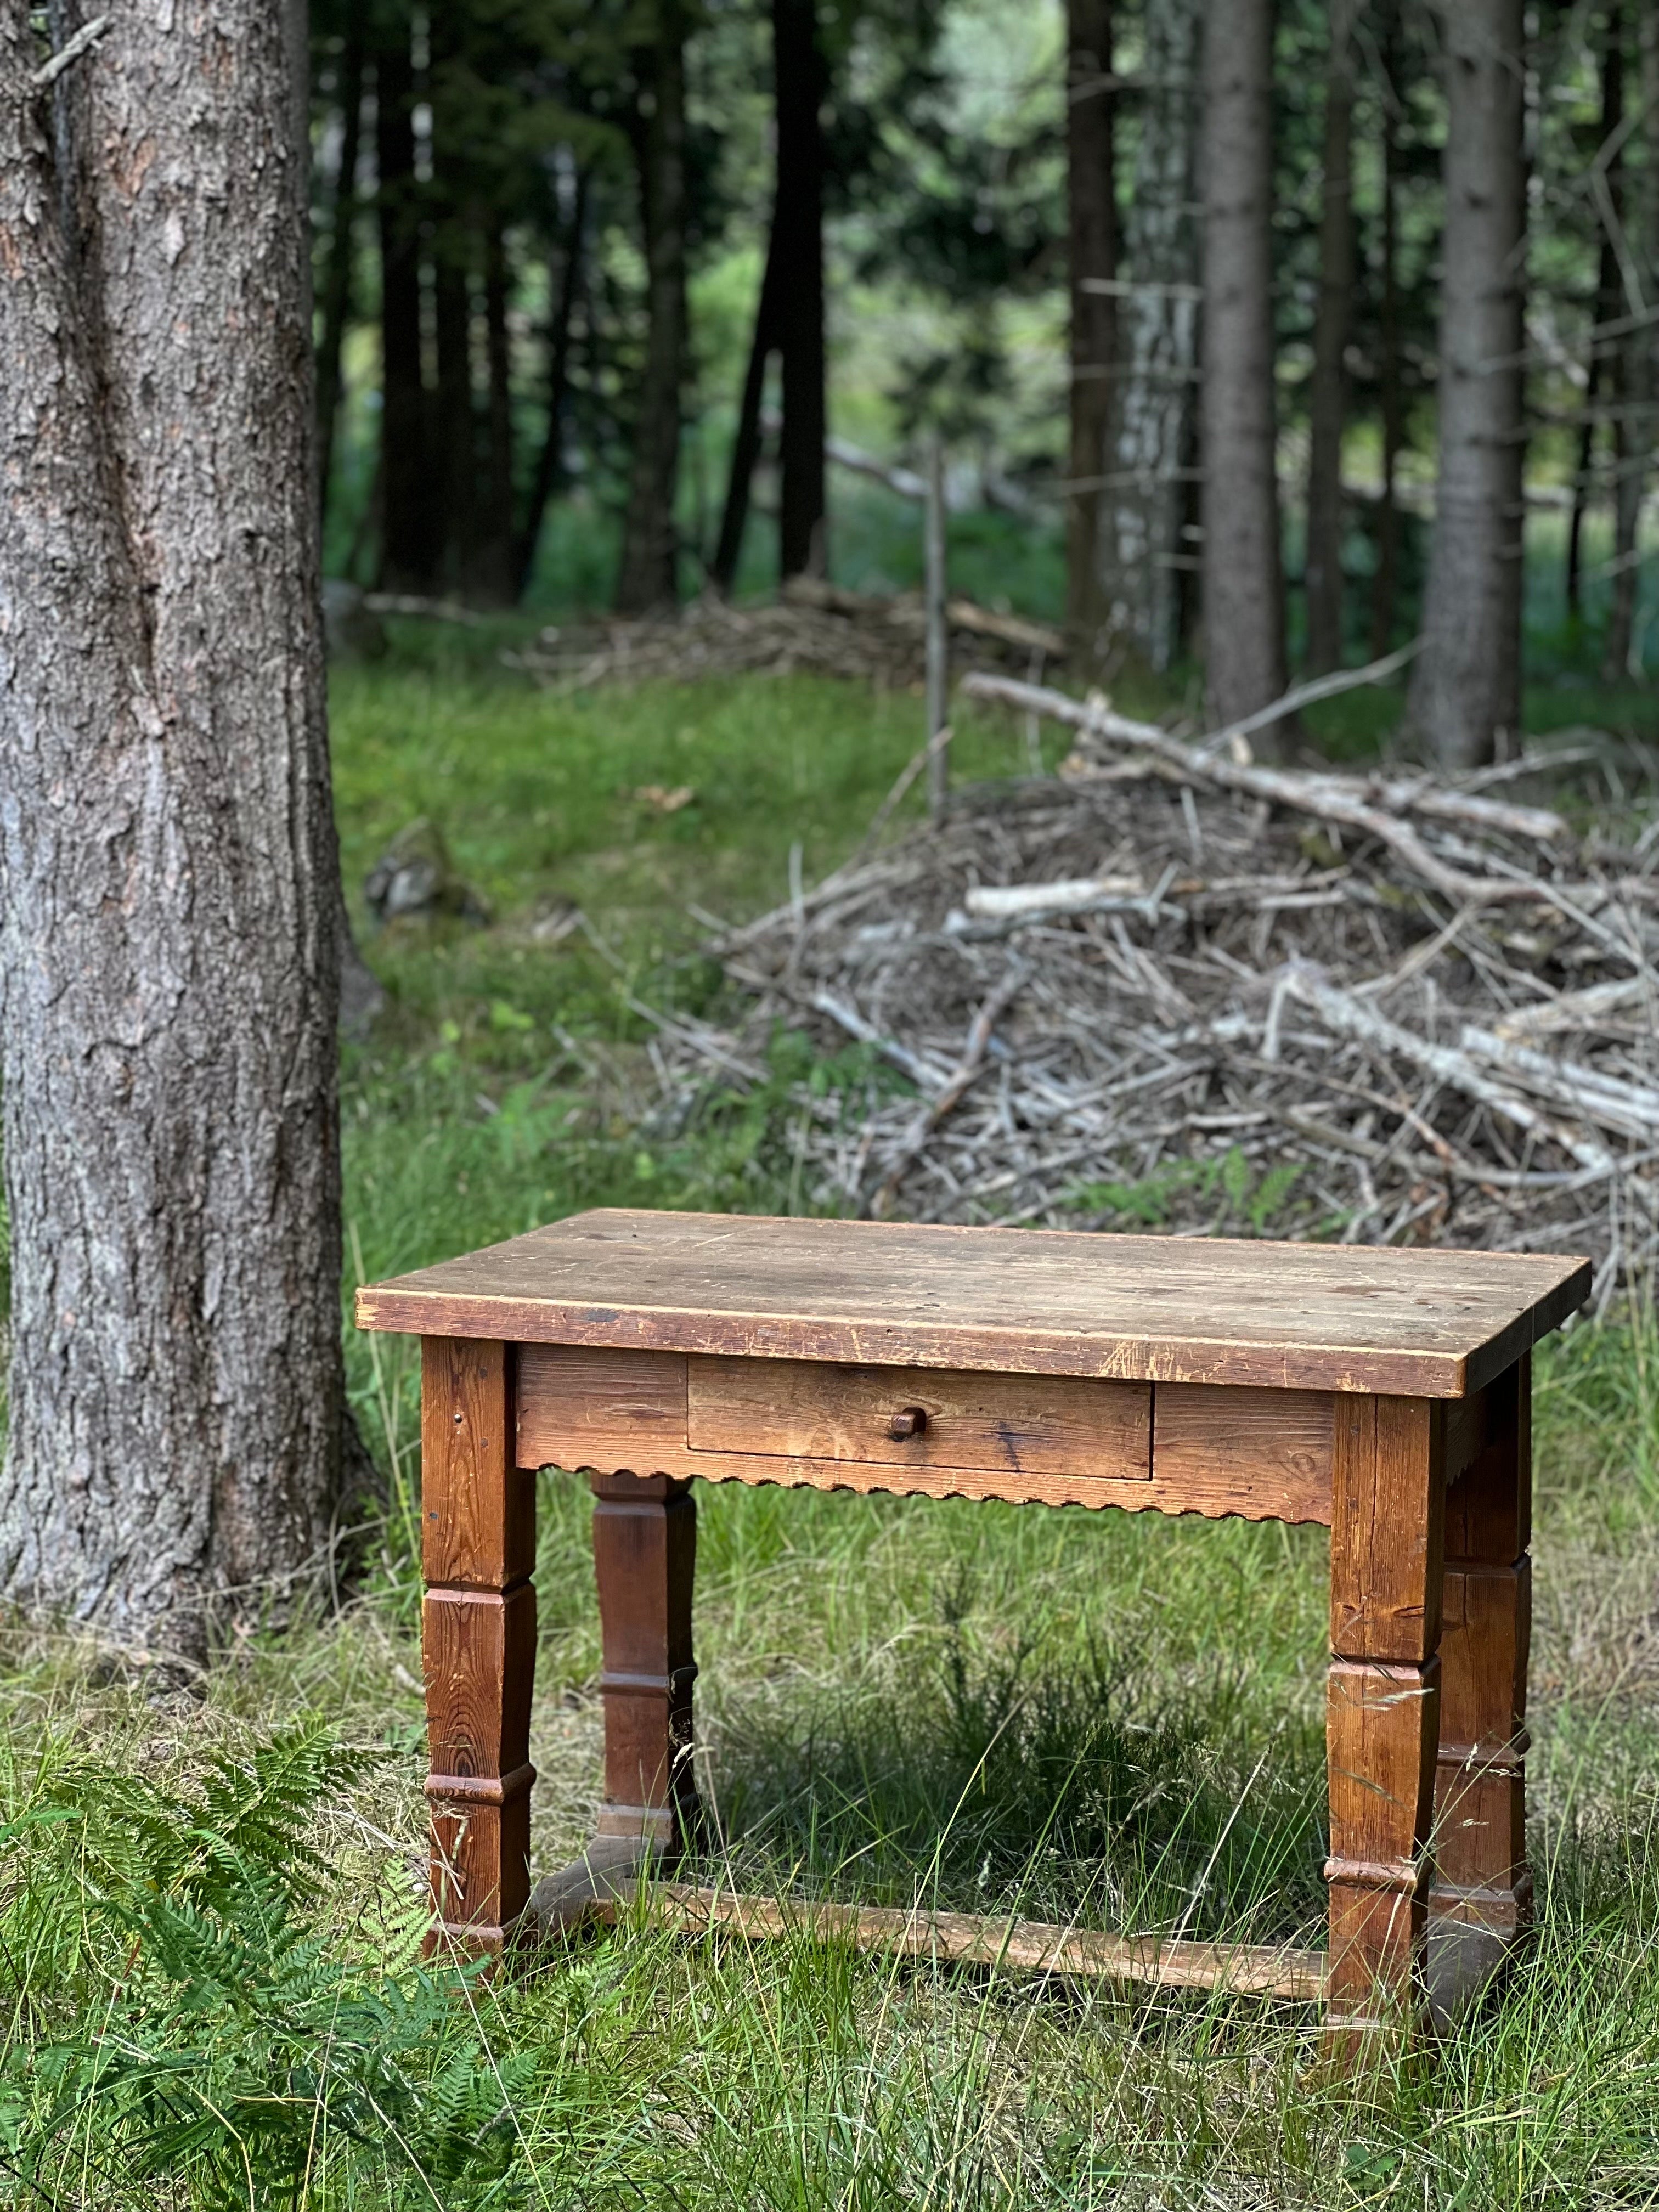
<point x="1260" y="1455"/>
<point x="1425" y="1324"/>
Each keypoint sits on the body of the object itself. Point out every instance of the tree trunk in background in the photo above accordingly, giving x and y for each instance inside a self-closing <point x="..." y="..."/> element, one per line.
<point x="1327" y="392"/>
<point x="1143" y="507"/>
<point x="1092" y="211"/>
<point x="561" y="296"/>
<point x="406" y="506"/>
<point x="1243" y="587"/>
<point x="647" y="579"/>
<point x="1604" y="377"/>
<point x="1385" y="587"/>
<point x="1640" y="376"/>
<point x="342" y="246"/>
<point x="1466" y="684"/>
<point x="453" y="494"/>
<point x="168" y="877"/>
<point x="746" y="444"/>
<point x="492" y="568"/>
<point x="797" y="223"/>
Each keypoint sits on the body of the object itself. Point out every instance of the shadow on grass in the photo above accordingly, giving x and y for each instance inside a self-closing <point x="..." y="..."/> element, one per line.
<point x="998" y="1783"/>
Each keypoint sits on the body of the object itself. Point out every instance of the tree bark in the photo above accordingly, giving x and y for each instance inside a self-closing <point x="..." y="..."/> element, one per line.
<point x="562" y="294"/>
<point x="168" y="877"/>
<point x="342" y="245"/>
<point x="648" y="579"/>
<point x="1091" y="222"/>
<point x="1144" y="507"/>
<point x="798" y="220"/>
<point x="1640" y="376"/>
<point x="493" y="566"/>
<point x="1243" y="579"/>
<point x="1328" y="391"/>
<point x="747" y="443"/>
<point x="407" y="550"/>
<point x="1466" y="683"/>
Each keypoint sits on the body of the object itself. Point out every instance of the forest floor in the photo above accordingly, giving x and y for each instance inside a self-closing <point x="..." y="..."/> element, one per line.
<point x="210" y="1900"/>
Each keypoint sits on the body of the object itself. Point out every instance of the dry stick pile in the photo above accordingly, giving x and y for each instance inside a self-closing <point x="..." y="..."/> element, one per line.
<point x="814" y="628"/>
<point x="1179" y="987"/>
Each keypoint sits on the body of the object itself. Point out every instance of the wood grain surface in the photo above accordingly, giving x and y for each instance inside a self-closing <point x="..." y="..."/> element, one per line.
<point x="1434" y="1324"/>
<point x="1011" y="1425"/>
<point x="1258" y="1455"/>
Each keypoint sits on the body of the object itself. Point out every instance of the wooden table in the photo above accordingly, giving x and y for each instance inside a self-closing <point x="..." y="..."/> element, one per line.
<point x="1383" y="1393"/>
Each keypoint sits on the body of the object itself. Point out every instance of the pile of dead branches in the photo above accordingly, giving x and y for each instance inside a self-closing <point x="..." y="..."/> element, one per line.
<point x="814" y="627"/>
<point x="1177" y="988"/>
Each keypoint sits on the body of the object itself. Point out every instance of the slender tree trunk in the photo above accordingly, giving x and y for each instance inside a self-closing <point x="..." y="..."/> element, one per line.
<point x="562" y="294"/>
<point x="168" y="877"/>
<point x="1243" y="587"/>
<point x="1608" y="299"/>
<point x="799" y="219"/>
<point x="1091" y="212"/>
<point x="406" y="501"/>
<point x="1385" y="589"/>
<point x="1639" y="380"/>
<point x="1466" y="684"/>
<point x="1144" y="504"/>
<point x="342" y="251"/>
<point x="647" y="579"/>
<point x="746" y="444"/>
<point x="492" y="578"/>
<point x="455" y="457"/>
<point x="1328" y="394"/>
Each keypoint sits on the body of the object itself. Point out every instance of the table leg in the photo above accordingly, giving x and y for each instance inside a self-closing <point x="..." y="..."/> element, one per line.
<point x="478" y="1639"/>
<point x="1482" y="1895"/>
<point x="645" y="1551"/>
<point x="1382" y="1709"/>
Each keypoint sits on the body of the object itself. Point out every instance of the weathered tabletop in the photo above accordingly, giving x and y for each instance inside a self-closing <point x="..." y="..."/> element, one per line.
<point x="1433" y="1324"/>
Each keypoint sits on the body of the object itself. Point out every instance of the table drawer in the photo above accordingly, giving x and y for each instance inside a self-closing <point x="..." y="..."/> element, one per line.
<point x="1011" y="1424"/>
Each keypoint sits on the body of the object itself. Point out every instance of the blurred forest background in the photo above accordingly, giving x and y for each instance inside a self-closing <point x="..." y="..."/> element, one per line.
<point x="625" y="301"/>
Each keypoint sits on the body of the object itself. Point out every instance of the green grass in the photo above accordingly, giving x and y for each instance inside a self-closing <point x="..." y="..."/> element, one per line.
<point x="209" y="1906"/>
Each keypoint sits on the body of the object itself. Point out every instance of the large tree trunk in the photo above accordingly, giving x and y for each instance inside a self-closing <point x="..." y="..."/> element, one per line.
<point x="1328" y="389"/>
<point x="342" y="247"/>
<point x="1144" y="504"/>
<point x="1640" y="376"/>
<point x="647" y="579"/>
<point x="1091" y="213"/>
<point x="1243" y="579"/>
<point x="168" y="879"/>
<point x="1466" y="686"/>
<point x="799" y="223"/>
<point x="407" y="551"/>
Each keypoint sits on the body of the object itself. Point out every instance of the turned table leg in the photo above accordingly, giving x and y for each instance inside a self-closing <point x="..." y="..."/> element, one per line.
<point x="478" y="1639"/>
<point x="645" y="1551"/>
<point x="1382" y="1709"/>
<point x="1482" y="1895"/>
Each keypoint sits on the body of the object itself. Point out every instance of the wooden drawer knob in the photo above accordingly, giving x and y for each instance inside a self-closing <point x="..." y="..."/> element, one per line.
<point x="909" y="1421"/>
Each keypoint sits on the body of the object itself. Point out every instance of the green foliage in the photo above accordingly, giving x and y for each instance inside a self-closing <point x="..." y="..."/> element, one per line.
<point x="1255" y="1205"/>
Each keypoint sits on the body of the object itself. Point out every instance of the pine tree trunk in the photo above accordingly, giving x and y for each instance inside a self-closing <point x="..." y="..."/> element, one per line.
<point x="1091" y="213"/>
<point x="799" y="219"/>
<point x="1640" y="381"/>
<point x="1466" y="685"/>
<point x="648" y="581"/>
<point x="1243" y="587"/>
<point x="342" y="251"/>
<point x="168" y="878"/>
<point x="1604" y="377"/>
<point x="1144" y="507"/>
<point x="456" y="455"/>
<point x="1328" y="391"/>
<point x="407" y="550"/>
<point x="1385" y="587"/>
<point x="746" y="442"/>
<point x="492" y="568"/>
<point x="562" y="293"/>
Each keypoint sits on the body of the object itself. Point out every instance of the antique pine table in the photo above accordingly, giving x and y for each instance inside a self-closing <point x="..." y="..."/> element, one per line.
<point x="1383" y="1393"/>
